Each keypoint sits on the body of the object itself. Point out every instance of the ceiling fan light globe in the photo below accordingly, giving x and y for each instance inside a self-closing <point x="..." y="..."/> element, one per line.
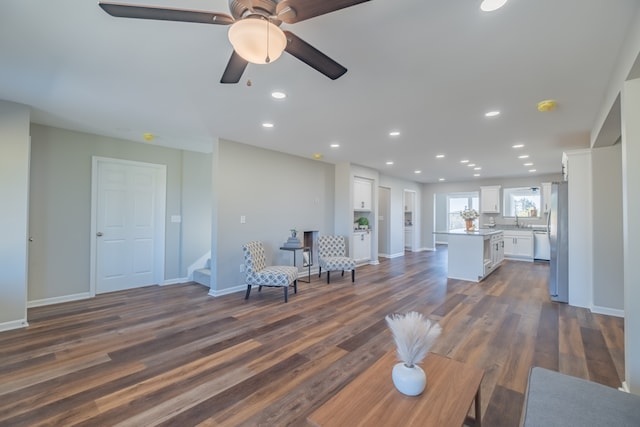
<point x="249" y="39"/>
<point x="491" y="5"/>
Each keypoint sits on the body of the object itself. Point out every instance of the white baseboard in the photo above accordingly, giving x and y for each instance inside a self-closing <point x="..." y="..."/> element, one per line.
<point x="396" y="255"/>
<point x="58" y="300"/>
<point x="624" y="387"/>
<point x="14" y="324"/>
<point x="226" y="291"/>
<point x="374" y="262"/>
<point x="426" y="249"/>
<point x="175" y="281"/>
<point x="608" y="311"/>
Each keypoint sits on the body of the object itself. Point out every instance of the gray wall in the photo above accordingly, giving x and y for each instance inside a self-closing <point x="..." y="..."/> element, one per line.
<point x="275" y="192"/>
<point x="196" y="207"/>
<point x="608" y="265"/>
<point x="14" y="187"/>
<point x="384" y="223"/>
<point x="60" y="206"/>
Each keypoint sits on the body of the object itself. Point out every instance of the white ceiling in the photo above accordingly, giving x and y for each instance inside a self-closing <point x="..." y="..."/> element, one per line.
<point x="429" y="69"/>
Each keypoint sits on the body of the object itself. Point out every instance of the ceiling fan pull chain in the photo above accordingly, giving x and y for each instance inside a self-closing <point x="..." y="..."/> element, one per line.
<point x="267" y="59"/>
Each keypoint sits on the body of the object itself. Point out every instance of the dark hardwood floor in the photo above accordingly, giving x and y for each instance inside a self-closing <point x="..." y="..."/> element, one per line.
<point x="175" y="356"/>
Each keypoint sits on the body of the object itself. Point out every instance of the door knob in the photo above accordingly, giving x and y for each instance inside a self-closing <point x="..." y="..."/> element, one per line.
<point x="99" y="234"/>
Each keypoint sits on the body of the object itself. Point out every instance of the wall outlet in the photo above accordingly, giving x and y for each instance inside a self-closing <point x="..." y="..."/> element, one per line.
<point x="243" y="219"/>
<point x="241" y="268"/>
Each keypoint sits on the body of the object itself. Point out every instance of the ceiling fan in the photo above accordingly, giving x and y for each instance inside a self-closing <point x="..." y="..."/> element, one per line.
<point x="255" y="32"/>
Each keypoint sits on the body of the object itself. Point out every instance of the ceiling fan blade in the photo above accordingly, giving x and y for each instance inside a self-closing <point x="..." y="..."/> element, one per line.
<point x="313" y="57"/>
<point x="291" y="11"/>
<point x="234" y="70"/>
<point x="146" y="12"/>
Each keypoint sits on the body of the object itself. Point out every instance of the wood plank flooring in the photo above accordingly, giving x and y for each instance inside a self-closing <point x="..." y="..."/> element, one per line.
<point x="175" y="356"/>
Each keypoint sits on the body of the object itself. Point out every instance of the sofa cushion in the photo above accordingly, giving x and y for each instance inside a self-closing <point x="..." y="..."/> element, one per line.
<point x="558" y="400"/>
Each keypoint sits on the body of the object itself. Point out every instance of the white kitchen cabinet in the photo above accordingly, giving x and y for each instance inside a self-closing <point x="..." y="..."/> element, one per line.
<point x="490" y="199"/>
<point x="497" y="249"/>
<point x="408" y="200"/>
<point x="546" y="197"/>
<point x="518" y="244"/>
<point x="473" y="255"/>
<point x="362" y="194"/>
<point x="361" y="247"/>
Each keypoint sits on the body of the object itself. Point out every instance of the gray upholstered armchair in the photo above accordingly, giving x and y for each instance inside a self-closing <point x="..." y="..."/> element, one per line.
<point x="259" y="274"/>
<point x="332" y="256"/>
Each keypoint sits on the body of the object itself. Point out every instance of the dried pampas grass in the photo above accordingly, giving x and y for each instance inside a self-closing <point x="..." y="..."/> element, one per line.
<point x="413" y="334"/>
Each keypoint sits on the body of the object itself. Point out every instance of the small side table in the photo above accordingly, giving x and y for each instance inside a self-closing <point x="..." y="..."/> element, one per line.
<point x="307" y="264"/>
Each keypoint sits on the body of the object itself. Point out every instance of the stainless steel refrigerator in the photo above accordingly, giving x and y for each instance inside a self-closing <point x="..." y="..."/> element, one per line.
<point x="557" y="226"/>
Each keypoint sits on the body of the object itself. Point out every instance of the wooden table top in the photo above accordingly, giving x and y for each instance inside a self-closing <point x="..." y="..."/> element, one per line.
<point x="372" y="399"/>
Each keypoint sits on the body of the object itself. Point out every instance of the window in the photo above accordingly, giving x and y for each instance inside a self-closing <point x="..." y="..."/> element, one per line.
<point x="456" y="203"/>
<point x="522" y="202"/>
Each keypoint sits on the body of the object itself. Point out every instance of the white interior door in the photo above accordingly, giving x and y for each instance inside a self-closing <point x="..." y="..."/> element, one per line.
<point x="129" y="212"/>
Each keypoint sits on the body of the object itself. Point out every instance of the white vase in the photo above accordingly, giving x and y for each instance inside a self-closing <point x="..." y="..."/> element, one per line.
<point x="409" y="380"/>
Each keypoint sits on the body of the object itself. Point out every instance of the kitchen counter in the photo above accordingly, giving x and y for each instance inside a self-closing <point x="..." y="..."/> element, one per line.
<point x="463" y="232"/>
<point x="473" y="255"/>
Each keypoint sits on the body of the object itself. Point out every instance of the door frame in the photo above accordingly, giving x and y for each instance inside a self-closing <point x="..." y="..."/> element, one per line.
<point x="160" y="217"/>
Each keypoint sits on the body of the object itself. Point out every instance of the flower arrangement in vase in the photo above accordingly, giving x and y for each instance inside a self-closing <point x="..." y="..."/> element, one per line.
<point x="469" y="215"/>
<point x="414" y="335"/>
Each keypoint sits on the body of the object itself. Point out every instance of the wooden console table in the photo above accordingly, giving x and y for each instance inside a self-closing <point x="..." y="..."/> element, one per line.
<point x="372" y="400"/>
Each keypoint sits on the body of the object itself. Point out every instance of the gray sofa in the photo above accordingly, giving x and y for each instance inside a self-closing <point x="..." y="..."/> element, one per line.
<point x="558" y="400"/>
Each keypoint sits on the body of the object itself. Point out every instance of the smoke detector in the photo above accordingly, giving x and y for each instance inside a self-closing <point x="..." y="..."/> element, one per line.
<point x="547" y="105"/>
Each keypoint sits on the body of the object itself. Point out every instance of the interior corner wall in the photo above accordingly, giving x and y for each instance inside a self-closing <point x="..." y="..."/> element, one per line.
<point x="580" y="208"/>
<point x="274" y="192"/>
<point x="14" y="194"/>
<point x="608" y="265"/>
<point x="631" y="230"/>
<point x="196" y="208"/>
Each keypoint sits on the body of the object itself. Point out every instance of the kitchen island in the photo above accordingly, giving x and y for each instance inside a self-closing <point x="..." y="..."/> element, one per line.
<point x="473" y="255"/>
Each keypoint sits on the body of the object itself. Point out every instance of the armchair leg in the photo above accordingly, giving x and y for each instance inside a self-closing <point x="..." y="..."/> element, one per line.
<point x="342" y="273"/>
<point x="319" y="271"/>
<point x="328" y="276"/>
<point x="353" y="275"/>
<point x="260" y="288"/>
<point x="295" y="286"/>
<point x="246" y="296"/>
<point x="286" y="294"/>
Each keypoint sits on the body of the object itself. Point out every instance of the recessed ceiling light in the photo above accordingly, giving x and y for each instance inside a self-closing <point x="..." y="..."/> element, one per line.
<point x="470" y="165"/>
<point x="278" y="95"/>
<point x="532" y="170"/>
<point x="464" y="161"/>
<point x="517" y="146"/>
<point x="440" y="179"/>
<point x="389" y="163"/>
<point x="394" y="133"/>
<point x="492" y="113"/>
<point x="477" y="168"/>
<point x="417" y="171"/>
<point x="528" y="164"/>
<point x="317" y="156"/>
<point x="491" y="5"/>
<point x="524" y="156"/>
<point x="440" y="156"/>
<point x="267" y="125"/>
<point x="335" y="145"/>
<point x="476" y="174"/>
